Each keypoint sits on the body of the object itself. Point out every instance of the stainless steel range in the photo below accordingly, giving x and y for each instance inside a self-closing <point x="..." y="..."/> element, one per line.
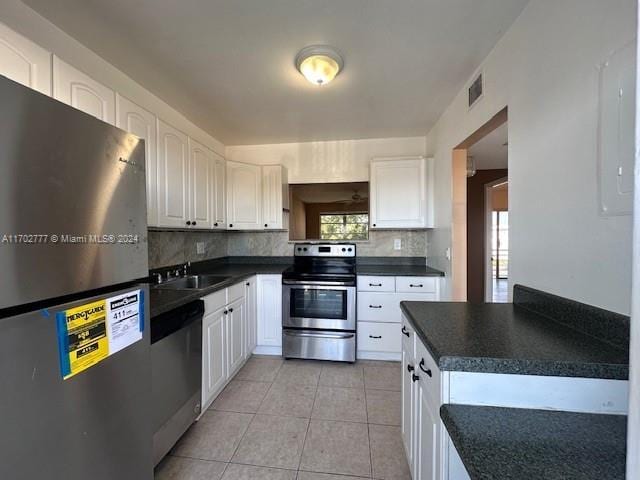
<point x="319" y="303"/>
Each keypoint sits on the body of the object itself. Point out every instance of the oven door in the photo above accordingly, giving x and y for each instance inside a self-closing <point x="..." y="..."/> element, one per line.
<point x="311" y="305"/>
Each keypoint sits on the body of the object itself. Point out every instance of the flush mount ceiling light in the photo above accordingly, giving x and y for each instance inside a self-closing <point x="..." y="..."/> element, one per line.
<point x="319" y="64"/>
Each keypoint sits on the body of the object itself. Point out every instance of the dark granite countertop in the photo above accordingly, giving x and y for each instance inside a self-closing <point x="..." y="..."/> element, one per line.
<point x="507" y="338"/>
<point x="398" y="270"/>
<point x="517" y="443"/>
<point x="162" y="300"/>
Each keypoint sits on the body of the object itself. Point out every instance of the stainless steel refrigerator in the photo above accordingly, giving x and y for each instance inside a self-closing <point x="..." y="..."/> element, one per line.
<point x="75" y="379"/>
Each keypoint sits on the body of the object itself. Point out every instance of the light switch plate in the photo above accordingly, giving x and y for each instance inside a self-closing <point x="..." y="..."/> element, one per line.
<point x="200" y="248"/>
<point x="397" y="244"/>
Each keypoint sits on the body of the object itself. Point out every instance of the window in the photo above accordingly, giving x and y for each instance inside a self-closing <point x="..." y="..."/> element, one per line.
<point x="350" y="226"/>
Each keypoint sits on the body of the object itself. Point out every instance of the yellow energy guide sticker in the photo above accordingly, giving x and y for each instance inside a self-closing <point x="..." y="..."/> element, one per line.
<point x="82" y="333"/>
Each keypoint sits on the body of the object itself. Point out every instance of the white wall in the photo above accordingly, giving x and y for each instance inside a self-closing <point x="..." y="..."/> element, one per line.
<point x="335" y="161"/>
<point x="19" y="17"/>
<point x="544" y="70"/>
<point x="633" y="427"/>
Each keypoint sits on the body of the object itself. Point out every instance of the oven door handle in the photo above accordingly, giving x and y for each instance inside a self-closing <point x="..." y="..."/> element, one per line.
<point x="338" y="336"/>
<point x="304" y="283"/>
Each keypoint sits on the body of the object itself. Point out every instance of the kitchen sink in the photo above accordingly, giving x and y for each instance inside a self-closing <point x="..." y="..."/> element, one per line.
<point x="193" y="282"/>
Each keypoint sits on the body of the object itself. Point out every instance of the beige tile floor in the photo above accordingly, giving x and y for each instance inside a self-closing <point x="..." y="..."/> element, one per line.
<point x="297" y="420"/>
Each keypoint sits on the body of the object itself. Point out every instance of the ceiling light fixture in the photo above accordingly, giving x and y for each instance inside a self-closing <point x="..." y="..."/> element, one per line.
<point x="319" y="64"/>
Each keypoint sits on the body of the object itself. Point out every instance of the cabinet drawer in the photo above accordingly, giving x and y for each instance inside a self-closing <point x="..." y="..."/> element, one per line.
<point x="427" y="370"/>
<point x="215" y="300"/>
<point x="235" y="292"/>
<point x="379" y="337"/>
<point x="417" y="284"/>
<point x="376" y="284"/>
<point x="379" y="307"/>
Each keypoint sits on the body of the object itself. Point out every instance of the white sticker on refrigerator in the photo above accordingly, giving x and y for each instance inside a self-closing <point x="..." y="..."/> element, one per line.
<point x="124" y="323"/>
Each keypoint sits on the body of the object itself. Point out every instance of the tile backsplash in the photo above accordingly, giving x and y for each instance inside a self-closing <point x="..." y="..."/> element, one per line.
<point x="173" y="247"/>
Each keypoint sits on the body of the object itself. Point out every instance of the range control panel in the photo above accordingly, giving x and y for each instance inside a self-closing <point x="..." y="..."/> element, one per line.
<point x="324" y="250"/>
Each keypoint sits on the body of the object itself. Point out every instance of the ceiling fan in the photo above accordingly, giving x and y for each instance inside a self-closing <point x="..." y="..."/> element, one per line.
<point x="355" y="198"/>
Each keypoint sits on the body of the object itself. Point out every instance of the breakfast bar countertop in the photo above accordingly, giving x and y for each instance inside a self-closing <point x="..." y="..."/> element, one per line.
<point x="518" y="443"/>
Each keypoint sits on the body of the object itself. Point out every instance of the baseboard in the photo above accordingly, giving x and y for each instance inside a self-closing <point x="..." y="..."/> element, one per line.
<point x="267" y="350"/>
<point x="367" y="355"/>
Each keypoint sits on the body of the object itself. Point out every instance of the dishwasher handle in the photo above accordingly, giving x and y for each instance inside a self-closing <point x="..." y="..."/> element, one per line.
<point x="170" y="322"/>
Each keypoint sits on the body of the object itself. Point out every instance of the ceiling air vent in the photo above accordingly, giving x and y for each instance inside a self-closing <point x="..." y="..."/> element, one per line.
<point x="476" y="90"/>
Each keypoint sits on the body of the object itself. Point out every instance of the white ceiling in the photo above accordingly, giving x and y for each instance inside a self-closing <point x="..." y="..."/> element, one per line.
<point x="491" y="152"/>
<point x="329" y="192"/>
<point x="228" y="65"/>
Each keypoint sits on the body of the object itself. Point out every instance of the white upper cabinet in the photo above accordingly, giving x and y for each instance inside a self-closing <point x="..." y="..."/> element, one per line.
<point x="24" y="62"/>
<point x="201" y="174"/>
<point x="77" y="89"/>
<point x="142" y="123"/>
<point x="173" y="177"/>
<point x="244" y="196"/>
<point x="401" y="193"/>
<point x="275" y="196"/>
<point x="219" y="198"/>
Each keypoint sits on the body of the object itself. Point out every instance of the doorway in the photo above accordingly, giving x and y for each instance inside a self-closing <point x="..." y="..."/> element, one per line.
<point x="480" y="168"/>
<point x="497" y="241"/>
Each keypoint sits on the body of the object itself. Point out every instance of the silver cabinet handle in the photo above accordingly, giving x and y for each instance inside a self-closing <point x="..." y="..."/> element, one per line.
<point x="375" y="306"/>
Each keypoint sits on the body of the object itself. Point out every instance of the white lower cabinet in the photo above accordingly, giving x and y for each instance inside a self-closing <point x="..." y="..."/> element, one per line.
<point x="427" y="424"/>
<point x="408" y="392"/>
<point x="269" y="303"/>
<point x="234" y="321"/>
<point x="250" y="314"/>
<point x="214" y="362"/>
<point x="379" y="337"/>
<point x="223" y="339"/>
<point x="423" y="432"/>
<point x="379" y="313"/>
<point x="229" y="333"/>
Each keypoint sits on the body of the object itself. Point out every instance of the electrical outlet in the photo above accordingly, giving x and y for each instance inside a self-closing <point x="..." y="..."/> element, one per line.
<point x="447" y="253"/>
<point x="200" y="248"/>
<point x="397" y="244"/>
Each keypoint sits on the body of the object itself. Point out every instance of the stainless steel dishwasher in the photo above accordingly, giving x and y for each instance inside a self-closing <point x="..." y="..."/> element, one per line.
<point x="176" y="374"/>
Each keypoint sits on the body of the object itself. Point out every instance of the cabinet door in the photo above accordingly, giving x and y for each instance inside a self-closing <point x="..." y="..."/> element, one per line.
<point x="244" y="196"/>
<point x="407" y="404"/>
<point x="24" y="62"/>
<point x="398" y="193"/>
<point x="142" y="123"/>
<point x="250" y="314"/>
<point x="235" y="335"/>
<point x="214" y="359"/>
<point x="79" y="90"/>
<point x="173" y="177"/>
<point x="201" y="175"/>
<point x="270" y="310"/>
<point x="272" y="196"/>
<point x="408" y="391"/>
<point x="220" y="193"/>
<point x="427" y="422"/>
